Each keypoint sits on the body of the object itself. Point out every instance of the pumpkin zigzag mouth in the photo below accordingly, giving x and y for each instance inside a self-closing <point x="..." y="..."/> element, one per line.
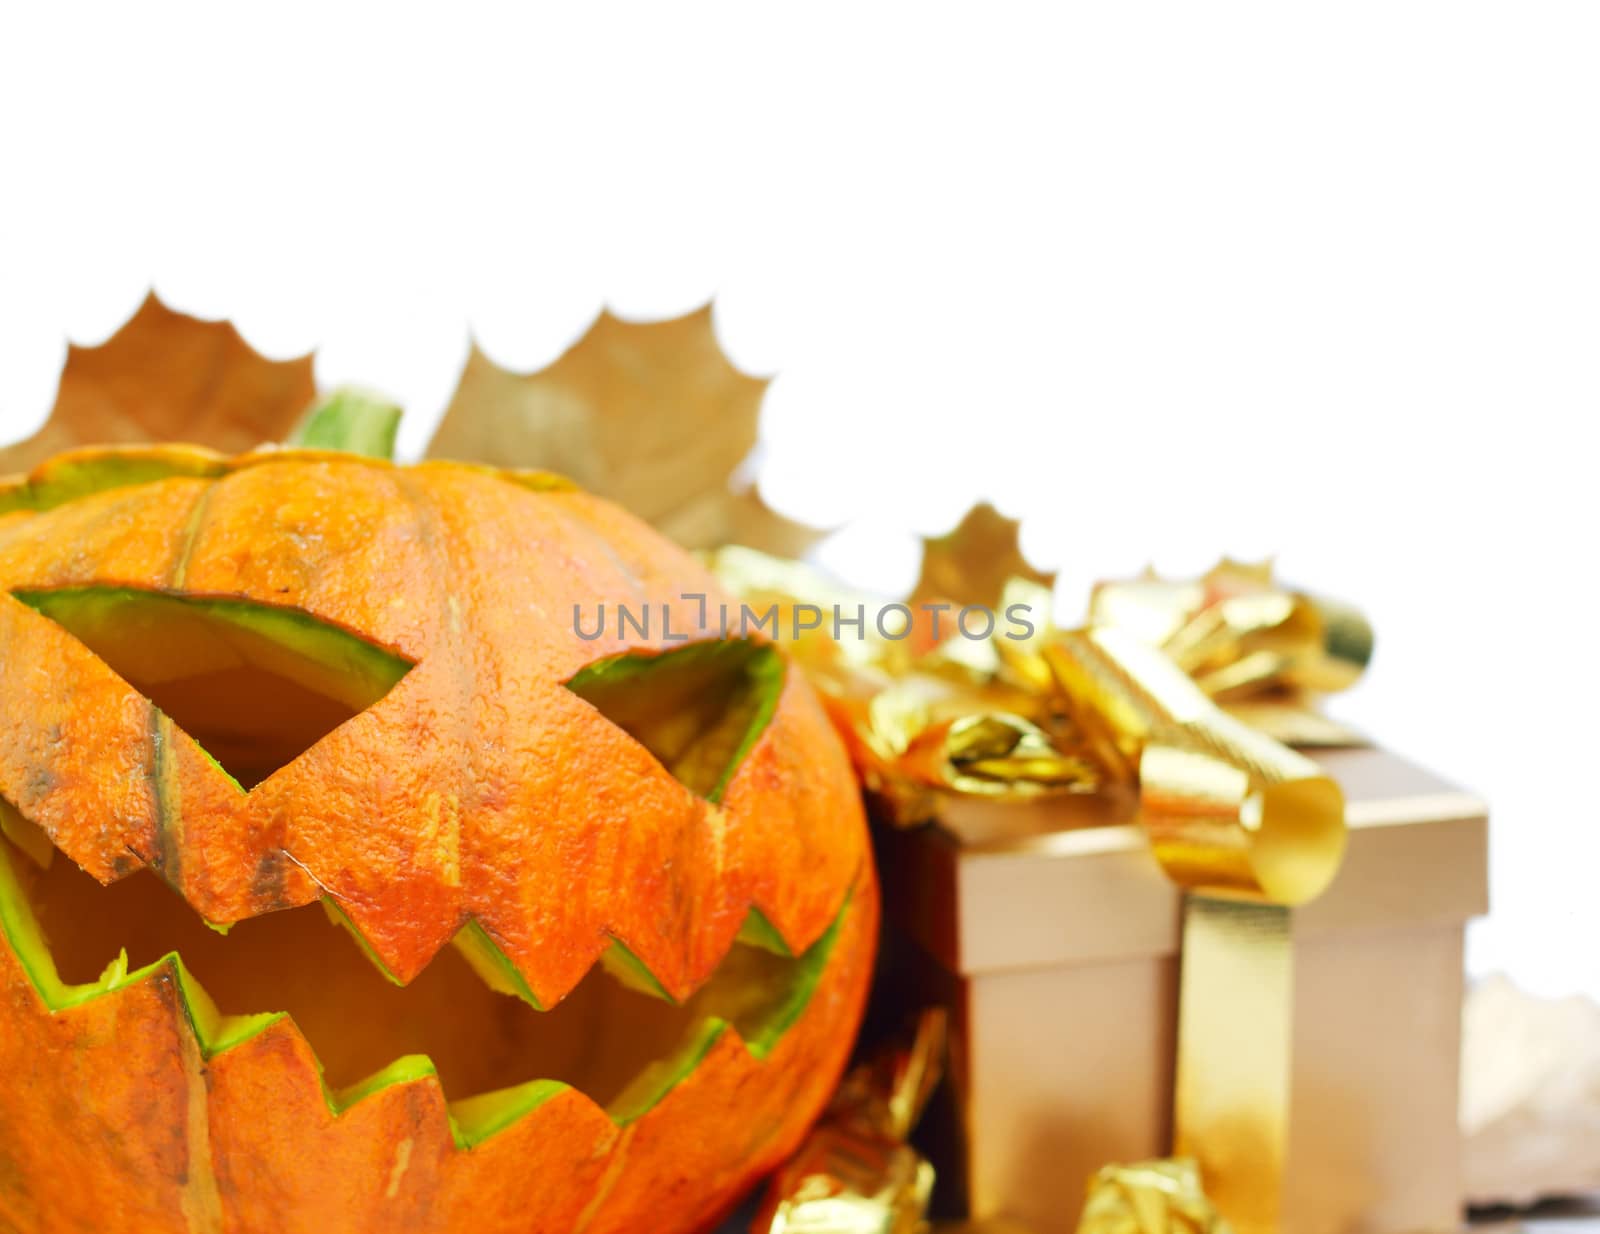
<point x="617" y="1038"/>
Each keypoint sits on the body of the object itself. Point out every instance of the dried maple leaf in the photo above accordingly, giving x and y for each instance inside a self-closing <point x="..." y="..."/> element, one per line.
<point x="652" y="415"/>
<point x="971" y="564"/>
<point x="165" y="376"/>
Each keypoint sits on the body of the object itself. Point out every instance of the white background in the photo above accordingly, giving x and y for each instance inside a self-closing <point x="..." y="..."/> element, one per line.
<point x="1165" y="281"/>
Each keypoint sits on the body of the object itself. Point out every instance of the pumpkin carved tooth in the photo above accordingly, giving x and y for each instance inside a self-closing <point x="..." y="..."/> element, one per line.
<point x="755" y="994"/>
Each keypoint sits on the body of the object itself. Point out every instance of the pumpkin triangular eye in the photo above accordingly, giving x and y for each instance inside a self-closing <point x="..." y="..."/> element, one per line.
<point x="254" y="684"/>
<point x="698" y="708"/>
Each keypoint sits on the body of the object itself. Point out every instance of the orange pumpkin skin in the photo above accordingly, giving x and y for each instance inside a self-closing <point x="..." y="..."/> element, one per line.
<point x="479" y="789"/>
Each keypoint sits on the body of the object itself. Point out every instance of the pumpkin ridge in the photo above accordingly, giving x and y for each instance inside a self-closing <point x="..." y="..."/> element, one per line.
<point x="463" y="670"/>
<point x="473" y="1118"/>
<point x="534" y="479"/>
<point x="86" y="470"/>
<point x="490" y="643"/>
<point x="164" y="780"/>
<point x="603" y="546"/>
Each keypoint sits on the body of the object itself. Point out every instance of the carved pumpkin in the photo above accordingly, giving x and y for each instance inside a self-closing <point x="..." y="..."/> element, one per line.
<point x="479" y="924"/>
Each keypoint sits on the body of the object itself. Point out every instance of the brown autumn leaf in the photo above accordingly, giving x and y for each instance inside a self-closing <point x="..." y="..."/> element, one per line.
<point x="166" y="376"/>
<point x="972" y="563"/>
<point x="650" y="414"/>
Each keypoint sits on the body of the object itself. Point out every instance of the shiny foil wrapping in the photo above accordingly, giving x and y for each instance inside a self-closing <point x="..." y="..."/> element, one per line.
<point x="1150" y="1197"/>
<point x="855" y="1173"/>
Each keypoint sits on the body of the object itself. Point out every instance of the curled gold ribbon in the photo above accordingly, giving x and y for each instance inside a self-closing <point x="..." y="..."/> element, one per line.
<point x="855" y="1173"/>
<point x="1226" y="808"/>
<point x="929" y="713"/>
<point x="925" y="712"/>
<point x="1236" y="630"/>
<point x="1261" y="650"/>
<point x="1151" y="1197"/>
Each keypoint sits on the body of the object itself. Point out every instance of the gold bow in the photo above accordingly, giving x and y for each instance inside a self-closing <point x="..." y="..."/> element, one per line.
<point x="1262" y="651"/>
<point x="1032" y="711"/>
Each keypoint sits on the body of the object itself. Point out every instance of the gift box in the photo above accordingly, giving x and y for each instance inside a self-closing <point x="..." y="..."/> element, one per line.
<point x="1054" y="940"/>
<point x="1198" y="944"/>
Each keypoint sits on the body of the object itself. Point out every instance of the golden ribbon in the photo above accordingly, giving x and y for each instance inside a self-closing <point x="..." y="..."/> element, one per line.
<point x="1261" y="651"/>
<point x="1246" y="826"/>
<point x="1152" y="1197"/>
<point x="855" y="1173"/>
<point x="1228" y="810"/>
<point x="1154" y="694"/>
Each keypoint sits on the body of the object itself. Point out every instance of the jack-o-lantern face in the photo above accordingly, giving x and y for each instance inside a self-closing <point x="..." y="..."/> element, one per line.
<point x="482" y="922"/>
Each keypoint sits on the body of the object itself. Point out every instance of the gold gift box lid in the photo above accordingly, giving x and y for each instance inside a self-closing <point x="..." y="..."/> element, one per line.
<point x="1069" y="880"/>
